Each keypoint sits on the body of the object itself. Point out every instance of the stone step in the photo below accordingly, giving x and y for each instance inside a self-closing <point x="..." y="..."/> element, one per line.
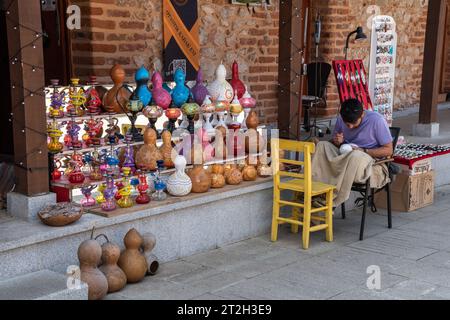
<point x="41" y="285"/>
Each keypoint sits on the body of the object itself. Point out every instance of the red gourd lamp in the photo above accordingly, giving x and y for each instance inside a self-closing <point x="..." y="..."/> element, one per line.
<point x="236" y="83"/>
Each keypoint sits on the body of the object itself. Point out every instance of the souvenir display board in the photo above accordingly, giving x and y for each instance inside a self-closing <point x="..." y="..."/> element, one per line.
<point x="382" y="65"/>
<point x="351" y="79"/>
<point x="410" y="153"/>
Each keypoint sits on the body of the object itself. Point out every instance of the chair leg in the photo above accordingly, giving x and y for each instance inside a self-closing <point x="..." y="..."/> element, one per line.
<point x="295" y="214"/>
<point x="329" y="217"/>
<point x="363" y="218"/>
<point x="343" y="210"/>
<point x="389" y="208"/>
<point x="275" y="216"/>
<point x="306" y="225"/>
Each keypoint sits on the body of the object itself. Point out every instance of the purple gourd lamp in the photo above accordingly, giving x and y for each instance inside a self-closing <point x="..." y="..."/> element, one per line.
<point x="199" y="91"/>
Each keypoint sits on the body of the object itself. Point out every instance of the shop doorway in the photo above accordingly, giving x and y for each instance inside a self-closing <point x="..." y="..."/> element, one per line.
<point x="56" y="46"/>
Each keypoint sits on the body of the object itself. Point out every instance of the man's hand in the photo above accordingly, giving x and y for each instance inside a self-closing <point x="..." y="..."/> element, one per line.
<point x="338" y="139"/>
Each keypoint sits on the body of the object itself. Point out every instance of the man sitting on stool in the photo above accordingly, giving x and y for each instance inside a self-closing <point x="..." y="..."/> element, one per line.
<point x="367" y="135"/>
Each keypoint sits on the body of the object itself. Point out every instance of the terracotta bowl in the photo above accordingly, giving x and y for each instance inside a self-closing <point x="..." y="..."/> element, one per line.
<point x="60" y="214"/>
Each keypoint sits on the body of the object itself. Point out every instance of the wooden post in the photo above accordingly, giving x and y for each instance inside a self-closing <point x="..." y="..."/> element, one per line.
<point x="28" y="108"/>
<point x="432" y="61"/>
<point x="291" y="45"/>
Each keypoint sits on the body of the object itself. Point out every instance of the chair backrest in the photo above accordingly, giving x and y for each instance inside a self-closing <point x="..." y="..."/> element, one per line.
<point x="318" y="73"/>
<point x="395" y="133"/>
<point x="306" y="148"/>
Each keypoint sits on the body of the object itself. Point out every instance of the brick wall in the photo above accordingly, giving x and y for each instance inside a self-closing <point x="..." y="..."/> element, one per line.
<point x="343" y="16"/>
<point x="129" y="32"/>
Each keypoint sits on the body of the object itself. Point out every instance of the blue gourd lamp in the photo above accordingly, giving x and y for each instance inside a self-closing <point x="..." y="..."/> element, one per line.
<point x="142" y="92"/>
<point x="181" y="93"/>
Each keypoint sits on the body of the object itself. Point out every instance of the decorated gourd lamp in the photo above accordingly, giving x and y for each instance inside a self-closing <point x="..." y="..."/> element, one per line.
<point x="134" y="106"/>
<point x="207" y="108"/>
<point x="153" y="113"/>
<point x="190" y="110"/>
<point x="161" y="97"/>
<point x="248" y="103"/>
<point x="117" y="97"/>
<point x="220" y="89"/>
<point x="236" y="83"/>
<point x="222" y="106"/>
<point x="180" y="94"/>
<point x="235" y="111"/>
<point x="199" y="91"/>
<point x="172" y="114"/>
<point x="142" y="92"/>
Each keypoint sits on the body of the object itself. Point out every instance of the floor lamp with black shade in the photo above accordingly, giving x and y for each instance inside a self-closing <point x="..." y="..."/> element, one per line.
<point x="360" y="35"/>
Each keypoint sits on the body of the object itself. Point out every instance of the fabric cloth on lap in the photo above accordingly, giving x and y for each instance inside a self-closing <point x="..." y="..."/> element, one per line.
<point x="328" y="166"/>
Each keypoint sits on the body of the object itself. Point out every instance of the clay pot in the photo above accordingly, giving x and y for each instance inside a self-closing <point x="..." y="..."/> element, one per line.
<point x="117" y="279"/>
<point x="166" y="149"/>
<point x="89" y="256"/>
<point x="234" y="176"/>
<point x="110" y="103"/>
<point x="147" y="247"/>
<point x="217" y="180"/>
<point x="249" y="173"/>
<point x="131" y="260"/>
<point x="201" y="180"/>
<point x="148" y="154"/>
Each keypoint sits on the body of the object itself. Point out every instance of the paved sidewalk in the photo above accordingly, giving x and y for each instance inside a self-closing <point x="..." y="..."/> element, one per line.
<point x="414" y="259"/>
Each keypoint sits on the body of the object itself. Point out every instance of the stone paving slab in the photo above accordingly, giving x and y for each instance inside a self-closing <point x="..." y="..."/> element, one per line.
<point x="413" y="257"/>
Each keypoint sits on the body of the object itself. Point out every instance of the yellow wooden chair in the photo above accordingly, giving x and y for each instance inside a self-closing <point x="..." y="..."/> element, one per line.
<point x="301" y="184"/>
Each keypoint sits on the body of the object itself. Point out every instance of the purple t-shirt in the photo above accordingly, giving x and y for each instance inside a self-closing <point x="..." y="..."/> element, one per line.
<point x="372" y="133"/>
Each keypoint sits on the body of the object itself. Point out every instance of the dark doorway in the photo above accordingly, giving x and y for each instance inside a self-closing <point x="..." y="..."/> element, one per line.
<point x="6" y="132"/>
<point x="56" y="45"/>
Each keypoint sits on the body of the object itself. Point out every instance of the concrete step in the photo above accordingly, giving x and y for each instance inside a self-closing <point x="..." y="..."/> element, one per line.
<point x="41" y="285"/>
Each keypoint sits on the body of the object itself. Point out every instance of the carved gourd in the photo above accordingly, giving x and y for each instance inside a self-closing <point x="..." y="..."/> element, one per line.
<point x="115" y="276"/>
<point x="117" y="92"/>
<point x="217" y="181"/>
<point x="131" y="260"/>
<point x="147" y="247"/>
<point x="166" y="149"/>
<point x="234" y="176"/>
<point x="201" y="180"/>
<point x="254" y="142"/>
<point x="249" y="173"/>
<point x="89" y="256"/>
<point x="148" y="154"/>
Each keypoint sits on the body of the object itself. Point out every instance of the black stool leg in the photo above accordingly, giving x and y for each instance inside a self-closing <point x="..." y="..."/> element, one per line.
<point x="388" y="191"/>
<point x="343" y="210"/>
<point x="363" y="218"/>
